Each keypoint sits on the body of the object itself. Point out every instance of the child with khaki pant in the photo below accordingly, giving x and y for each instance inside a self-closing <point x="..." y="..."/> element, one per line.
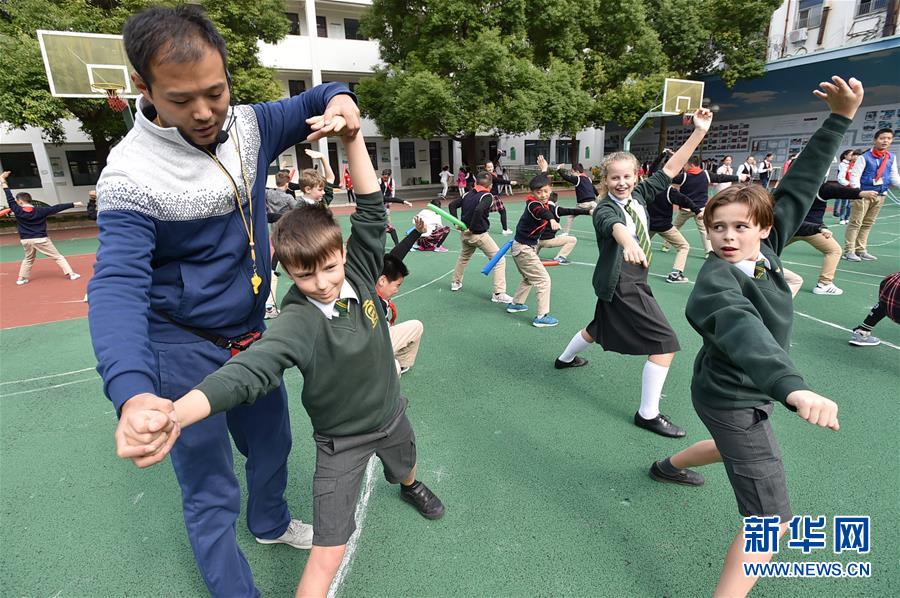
<point x="31" y="222"/>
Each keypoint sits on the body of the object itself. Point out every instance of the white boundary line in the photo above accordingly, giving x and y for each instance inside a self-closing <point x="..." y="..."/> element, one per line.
<point x="25" y="392"/>
<point x="45" y="377"/>
<point x="422" y="286"/>
<point x="360" y="517"/>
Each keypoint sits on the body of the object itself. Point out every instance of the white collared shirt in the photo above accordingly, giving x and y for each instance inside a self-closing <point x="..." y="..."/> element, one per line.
<point x="748" y="267"/>
<point x="638" y="209"/>
<point x="308" y="201"/>
<point x="327" y="309"/>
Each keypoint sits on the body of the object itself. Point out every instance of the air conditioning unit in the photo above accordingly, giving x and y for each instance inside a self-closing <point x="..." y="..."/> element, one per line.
<point x="797" y="36"/>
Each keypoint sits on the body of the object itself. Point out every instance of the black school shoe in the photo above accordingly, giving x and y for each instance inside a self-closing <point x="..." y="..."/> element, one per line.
<point x="685" y="477"/>
<point x="575" y="363"/>
<point x="423" y="499"/>
<point x="660" y="424"/>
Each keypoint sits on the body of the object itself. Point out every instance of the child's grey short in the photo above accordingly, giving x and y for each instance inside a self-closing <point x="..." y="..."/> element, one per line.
<point x="751" y="456"/>
<point x="340" y="465"/>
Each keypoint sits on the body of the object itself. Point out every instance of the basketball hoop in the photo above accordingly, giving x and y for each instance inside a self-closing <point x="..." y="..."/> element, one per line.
<point x="112" y="90"/>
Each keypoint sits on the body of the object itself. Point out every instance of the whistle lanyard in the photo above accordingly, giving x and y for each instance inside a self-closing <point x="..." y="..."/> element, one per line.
<point x="255" y="280"/>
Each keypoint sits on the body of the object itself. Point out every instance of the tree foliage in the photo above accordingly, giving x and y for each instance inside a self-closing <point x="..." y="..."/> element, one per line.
<point x="25" y="98"/>
<point x="461" y="67"/>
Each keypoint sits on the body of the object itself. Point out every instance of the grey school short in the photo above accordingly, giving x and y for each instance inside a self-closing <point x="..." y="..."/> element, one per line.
<point x="751" y="456"/>
<point x="340" y="465"/>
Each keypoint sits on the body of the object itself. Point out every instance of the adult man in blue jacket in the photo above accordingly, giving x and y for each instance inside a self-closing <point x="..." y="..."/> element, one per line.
<point x="182" y="271"/>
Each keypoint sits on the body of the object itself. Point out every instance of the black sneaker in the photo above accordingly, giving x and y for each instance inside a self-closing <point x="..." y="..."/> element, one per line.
<point x="677" y="277"/>
<point x="660" y="424"/>
<point x="423" y="499"/>
<point x="686" y="477"/>
<point x="575" y="363"/>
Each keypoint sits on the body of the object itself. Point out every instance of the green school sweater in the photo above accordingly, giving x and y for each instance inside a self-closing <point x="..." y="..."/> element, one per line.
<point x="746" y="323"/>
<point x="608" y="213"/>
<point x="350" y="385"/>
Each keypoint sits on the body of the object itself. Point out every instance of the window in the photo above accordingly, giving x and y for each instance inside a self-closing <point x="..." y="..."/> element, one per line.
<point x="23" y="166"/>
<point x="294" y="18"/>
<point x="535" y="148"/>
<point x="321" y="27"/>
<point x="867" y="7"/>
<point x="351" y="29"/>
<point x="407" y="154"/>
<point x="295" y="87"/>
<point x="809" y="14"/>
<point x="372" y="148"/>
<point x="84" y="167"/>
<point x="563" y="150"/>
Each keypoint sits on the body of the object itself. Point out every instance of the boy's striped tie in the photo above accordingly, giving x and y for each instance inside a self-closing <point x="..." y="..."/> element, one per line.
<point x="341" y="307"/>
<point x="759" y="272"/>
<point x="643" y="237"/>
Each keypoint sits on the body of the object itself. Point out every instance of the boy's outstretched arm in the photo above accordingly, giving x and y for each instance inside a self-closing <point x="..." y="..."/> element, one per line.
<point x="702" y="120"/>
<point x="326" y="168"/>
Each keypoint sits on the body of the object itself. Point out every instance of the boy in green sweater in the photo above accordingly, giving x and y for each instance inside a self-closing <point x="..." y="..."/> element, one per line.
<point x="741" y="306"/>
<point x="333" y="331"/>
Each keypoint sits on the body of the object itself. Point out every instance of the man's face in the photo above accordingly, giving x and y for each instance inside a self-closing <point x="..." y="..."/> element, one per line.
<point x="324" y="282"/>
<point x="734" y="235"/>
<point x="883" y="141"/>
<point x="192" y="96"/>
<point x="388" y="288"/>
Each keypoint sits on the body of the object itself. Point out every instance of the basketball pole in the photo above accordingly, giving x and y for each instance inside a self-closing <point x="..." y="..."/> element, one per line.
<point x="652" y="113"/>
<point x="127" y="116"/>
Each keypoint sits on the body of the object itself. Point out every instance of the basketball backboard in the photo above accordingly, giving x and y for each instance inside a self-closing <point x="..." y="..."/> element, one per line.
<point x="681" y="96"/>
<point x="85" y="65"/>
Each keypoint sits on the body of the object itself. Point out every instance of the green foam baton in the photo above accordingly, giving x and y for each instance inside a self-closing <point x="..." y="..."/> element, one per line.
<point x="448" y="216"/>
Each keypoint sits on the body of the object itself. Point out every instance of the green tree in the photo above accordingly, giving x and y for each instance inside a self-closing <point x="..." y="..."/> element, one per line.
<point x="25" y="98"/>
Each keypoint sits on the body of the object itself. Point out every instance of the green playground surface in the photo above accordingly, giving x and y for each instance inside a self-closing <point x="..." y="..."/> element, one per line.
<point x="542" y="472"/>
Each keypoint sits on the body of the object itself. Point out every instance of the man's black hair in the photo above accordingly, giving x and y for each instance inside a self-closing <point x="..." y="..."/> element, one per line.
<point x="541" y="180"/>
<point x="393" y="268"/>
<point x="161" y="35"/>
<point x="880" y="132"/>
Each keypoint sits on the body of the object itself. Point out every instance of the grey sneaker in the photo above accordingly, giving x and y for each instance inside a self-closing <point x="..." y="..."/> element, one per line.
<point x="297" y="534"/>
<point x="851" y="257"/>
<point x="866" y="256"/>
<point x="863" y="339"/>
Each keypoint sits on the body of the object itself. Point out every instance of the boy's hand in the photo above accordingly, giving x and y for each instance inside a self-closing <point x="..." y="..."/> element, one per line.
<point x="815" y="408"/>
<point x="341" y="118"/>
<point x="743" y="177"/>
<point x="5" y="175"/>
<point x="702" y="119"/>
<point x="147" y="429"/>
<point x="78" y="204"/>
<point x="826" y="233"/>
<point x="420" y="225"/>
<point x="843" y="97"/>
<point x="633" y="254"/>
<point x="554" y="224"/>
<point x="92" y="194"/>
<point x="314" y="154"/>
<point x="868" y="194"/>
<point x="542" y="163"/>
<point x="406" y="203"/>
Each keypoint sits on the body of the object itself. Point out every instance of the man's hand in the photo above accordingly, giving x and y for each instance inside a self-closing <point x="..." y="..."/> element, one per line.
<point x="815" y="408"/>
<point x="341" y="117"/>
<point x="147" y="429"/>
<point x="868" y="194"/>
<point x="314" y="154"/>
<point x="420" y="225"/>
<point x="843" y="97"/>
<point x="633" y="254"/>
<point x="826" y="233"/>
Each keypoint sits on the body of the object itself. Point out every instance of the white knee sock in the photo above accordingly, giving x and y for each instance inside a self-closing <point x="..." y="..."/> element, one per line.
<point x="652" y="381"/>
<point x="575" y="346"/>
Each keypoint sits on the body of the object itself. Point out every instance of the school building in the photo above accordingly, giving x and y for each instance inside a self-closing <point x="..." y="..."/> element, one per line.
<point x="851" y="37"/>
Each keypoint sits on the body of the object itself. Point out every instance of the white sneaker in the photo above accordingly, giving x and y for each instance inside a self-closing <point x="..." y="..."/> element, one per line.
<point x="297" y="534"/>
<point x="827" y="289"/>
<point x="455" y="286"/>
<point x="501" y="298"/>
<point x="74" y="276"/>
<point x="22" y="281"/>
<point x="507" y="232"/>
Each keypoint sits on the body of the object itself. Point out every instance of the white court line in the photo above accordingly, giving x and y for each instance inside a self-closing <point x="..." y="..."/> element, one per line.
<point x="799" y="313"/>
<point x="368" y="488"/>
<point x="360" y="517"/>
<point x="45" y="377"/>
<point x="25" y="392"/>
